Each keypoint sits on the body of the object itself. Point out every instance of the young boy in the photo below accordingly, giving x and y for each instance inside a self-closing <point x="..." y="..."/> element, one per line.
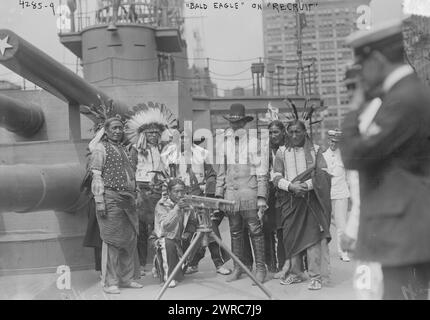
<point x="173" y="223"/>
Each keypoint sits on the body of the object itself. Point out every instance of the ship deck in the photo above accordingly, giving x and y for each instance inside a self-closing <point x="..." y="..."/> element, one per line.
<point x="204" y="285"/>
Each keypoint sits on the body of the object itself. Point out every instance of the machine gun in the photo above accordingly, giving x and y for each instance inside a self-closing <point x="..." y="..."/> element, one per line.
<point x="202" y="207"/>
<point x="210" y="203"/>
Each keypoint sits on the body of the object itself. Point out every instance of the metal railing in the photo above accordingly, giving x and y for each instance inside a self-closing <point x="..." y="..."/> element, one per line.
<point x="144" y="12"/>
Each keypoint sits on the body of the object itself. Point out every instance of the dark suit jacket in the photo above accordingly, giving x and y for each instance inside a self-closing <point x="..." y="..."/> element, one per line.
<point x="394" y="171"/>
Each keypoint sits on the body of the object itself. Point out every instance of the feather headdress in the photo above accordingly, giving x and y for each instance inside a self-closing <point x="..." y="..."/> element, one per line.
<point x="307" y="113"/>
<point x="273" y="113"/>
<point x="100" y="113"/>
<point x="153" y="117"/>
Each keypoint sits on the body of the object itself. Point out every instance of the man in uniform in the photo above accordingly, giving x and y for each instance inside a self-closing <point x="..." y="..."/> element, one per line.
<point x="339" y="187"/>
<point x="389" y="145"/>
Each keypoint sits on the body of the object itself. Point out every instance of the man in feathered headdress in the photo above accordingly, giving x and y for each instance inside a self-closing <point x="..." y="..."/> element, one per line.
<point x="304" y="199"/>
<point x="113" y="186"/>
<point x="145" y="130"/>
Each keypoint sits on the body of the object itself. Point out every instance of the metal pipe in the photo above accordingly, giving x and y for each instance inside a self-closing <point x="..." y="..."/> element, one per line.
<point x="22" y="118"/>
<point x="26" y="188"/>
<point x="36" y="66"/>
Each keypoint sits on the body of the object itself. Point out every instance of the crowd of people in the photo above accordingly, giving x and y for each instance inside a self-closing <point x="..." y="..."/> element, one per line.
<point x="282" y="212"/>
<point x="285" y="203"/>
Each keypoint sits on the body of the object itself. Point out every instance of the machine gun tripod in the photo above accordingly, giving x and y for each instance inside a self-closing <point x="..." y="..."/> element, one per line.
<point x="202" y="207"/>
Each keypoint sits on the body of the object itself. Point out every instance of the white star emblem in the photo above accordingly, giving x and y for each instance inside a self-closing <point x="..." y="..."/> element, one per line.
<point x="4" y="45"/>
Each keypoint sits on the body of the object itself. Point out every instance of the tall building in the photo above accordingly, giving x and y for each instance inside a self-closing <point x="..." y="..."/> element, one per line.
<point x="201" y="84"/>
<point x="417" y="45"/>
<point x="325" y="56"/>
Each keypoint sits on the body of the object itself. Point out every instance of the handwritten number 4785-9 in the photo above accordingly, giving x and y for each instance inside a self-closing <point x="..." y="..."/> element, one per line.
<point x="36" y="5"/>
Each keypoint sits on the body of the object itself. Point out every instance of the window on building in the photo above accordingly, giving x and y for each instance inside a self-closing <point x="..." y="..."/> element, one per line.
<point x="330" y="101"/>
<point x="343" y="32"/>
<point x="328" y="90"/>
<point x="341" y="44"/>
<point x="326" y="33"/>
<point x="274" y="58"/>
<point x="273" y="38"/>
<point x="326" y="45"/>
<point x="346" y="55"/>
<point x="327" y="57"/>
<point x="328" y="78"/>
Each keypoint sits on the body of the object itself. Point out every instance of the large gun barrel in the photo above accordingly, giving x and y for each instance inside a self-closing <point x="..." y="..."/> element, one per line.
<point x="19" y="117"/>
<point x="33" y="64"/>
<point x="25" y="188"/>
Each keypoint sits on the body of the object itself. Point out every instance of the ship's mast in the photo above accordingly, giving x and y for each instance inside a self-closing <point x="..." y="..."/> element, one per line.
<point x="300" y="80"/>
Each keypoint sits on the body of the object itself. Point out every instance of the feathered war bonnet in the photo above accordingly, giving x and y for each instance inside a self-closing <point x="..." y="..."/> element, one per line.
<point x="292" y="116"/>
<point x="102" y="115"/>
<point x="149" y="118"/>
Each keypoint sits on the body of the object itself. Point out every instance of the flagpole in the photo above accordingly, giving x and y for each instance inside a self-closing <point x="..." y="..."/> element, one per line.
<point x="300" y="80"/>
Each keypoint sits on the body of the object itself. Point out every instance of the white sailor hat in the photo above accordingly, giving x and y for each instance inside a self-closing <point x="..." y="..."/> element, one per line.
<point x="385" y="36"/>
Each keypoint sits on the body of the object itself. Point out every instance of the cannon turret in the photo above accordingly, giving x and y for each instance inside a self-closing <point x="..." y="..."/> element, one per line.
<point x="36" y="66"/>
<point x="42" y="211"/>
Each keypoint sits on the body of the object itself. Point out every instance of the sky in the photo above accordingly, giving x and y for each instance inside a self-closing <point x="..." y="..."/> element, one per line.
<point x="227" y="35"/>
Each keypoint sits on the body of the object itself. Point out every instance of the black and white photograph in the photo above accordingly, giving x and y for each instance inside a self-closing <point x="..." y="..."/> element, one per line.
<point x="241" y="151"/>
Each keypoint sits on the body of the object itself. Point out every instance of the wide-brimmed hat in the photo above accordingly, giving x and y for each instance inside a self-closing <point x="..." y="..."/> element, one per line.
<point x="237" y="113"/>
<point x="335" y="135"/>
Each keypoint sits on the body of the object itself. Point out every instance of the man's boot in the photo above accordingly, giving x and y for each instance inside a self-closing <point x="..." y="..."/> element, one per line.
<point x="237" y="248"/>
<point x="248" y="259"/>
<point x="260" y="265"/>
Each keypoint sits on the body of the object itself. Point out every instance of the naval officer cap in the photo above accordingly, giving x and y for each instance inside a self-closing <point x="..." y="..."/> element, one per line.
<point x="384" y="38"/>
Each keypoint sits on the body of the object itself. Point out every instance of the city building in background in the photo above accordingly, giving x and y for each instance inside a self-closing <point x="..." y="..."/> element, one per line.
<point x="201" y="84"/>
<point x="324" y="54"/>
<point x="239" y="92"/>
<point x="417" y="45"/>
